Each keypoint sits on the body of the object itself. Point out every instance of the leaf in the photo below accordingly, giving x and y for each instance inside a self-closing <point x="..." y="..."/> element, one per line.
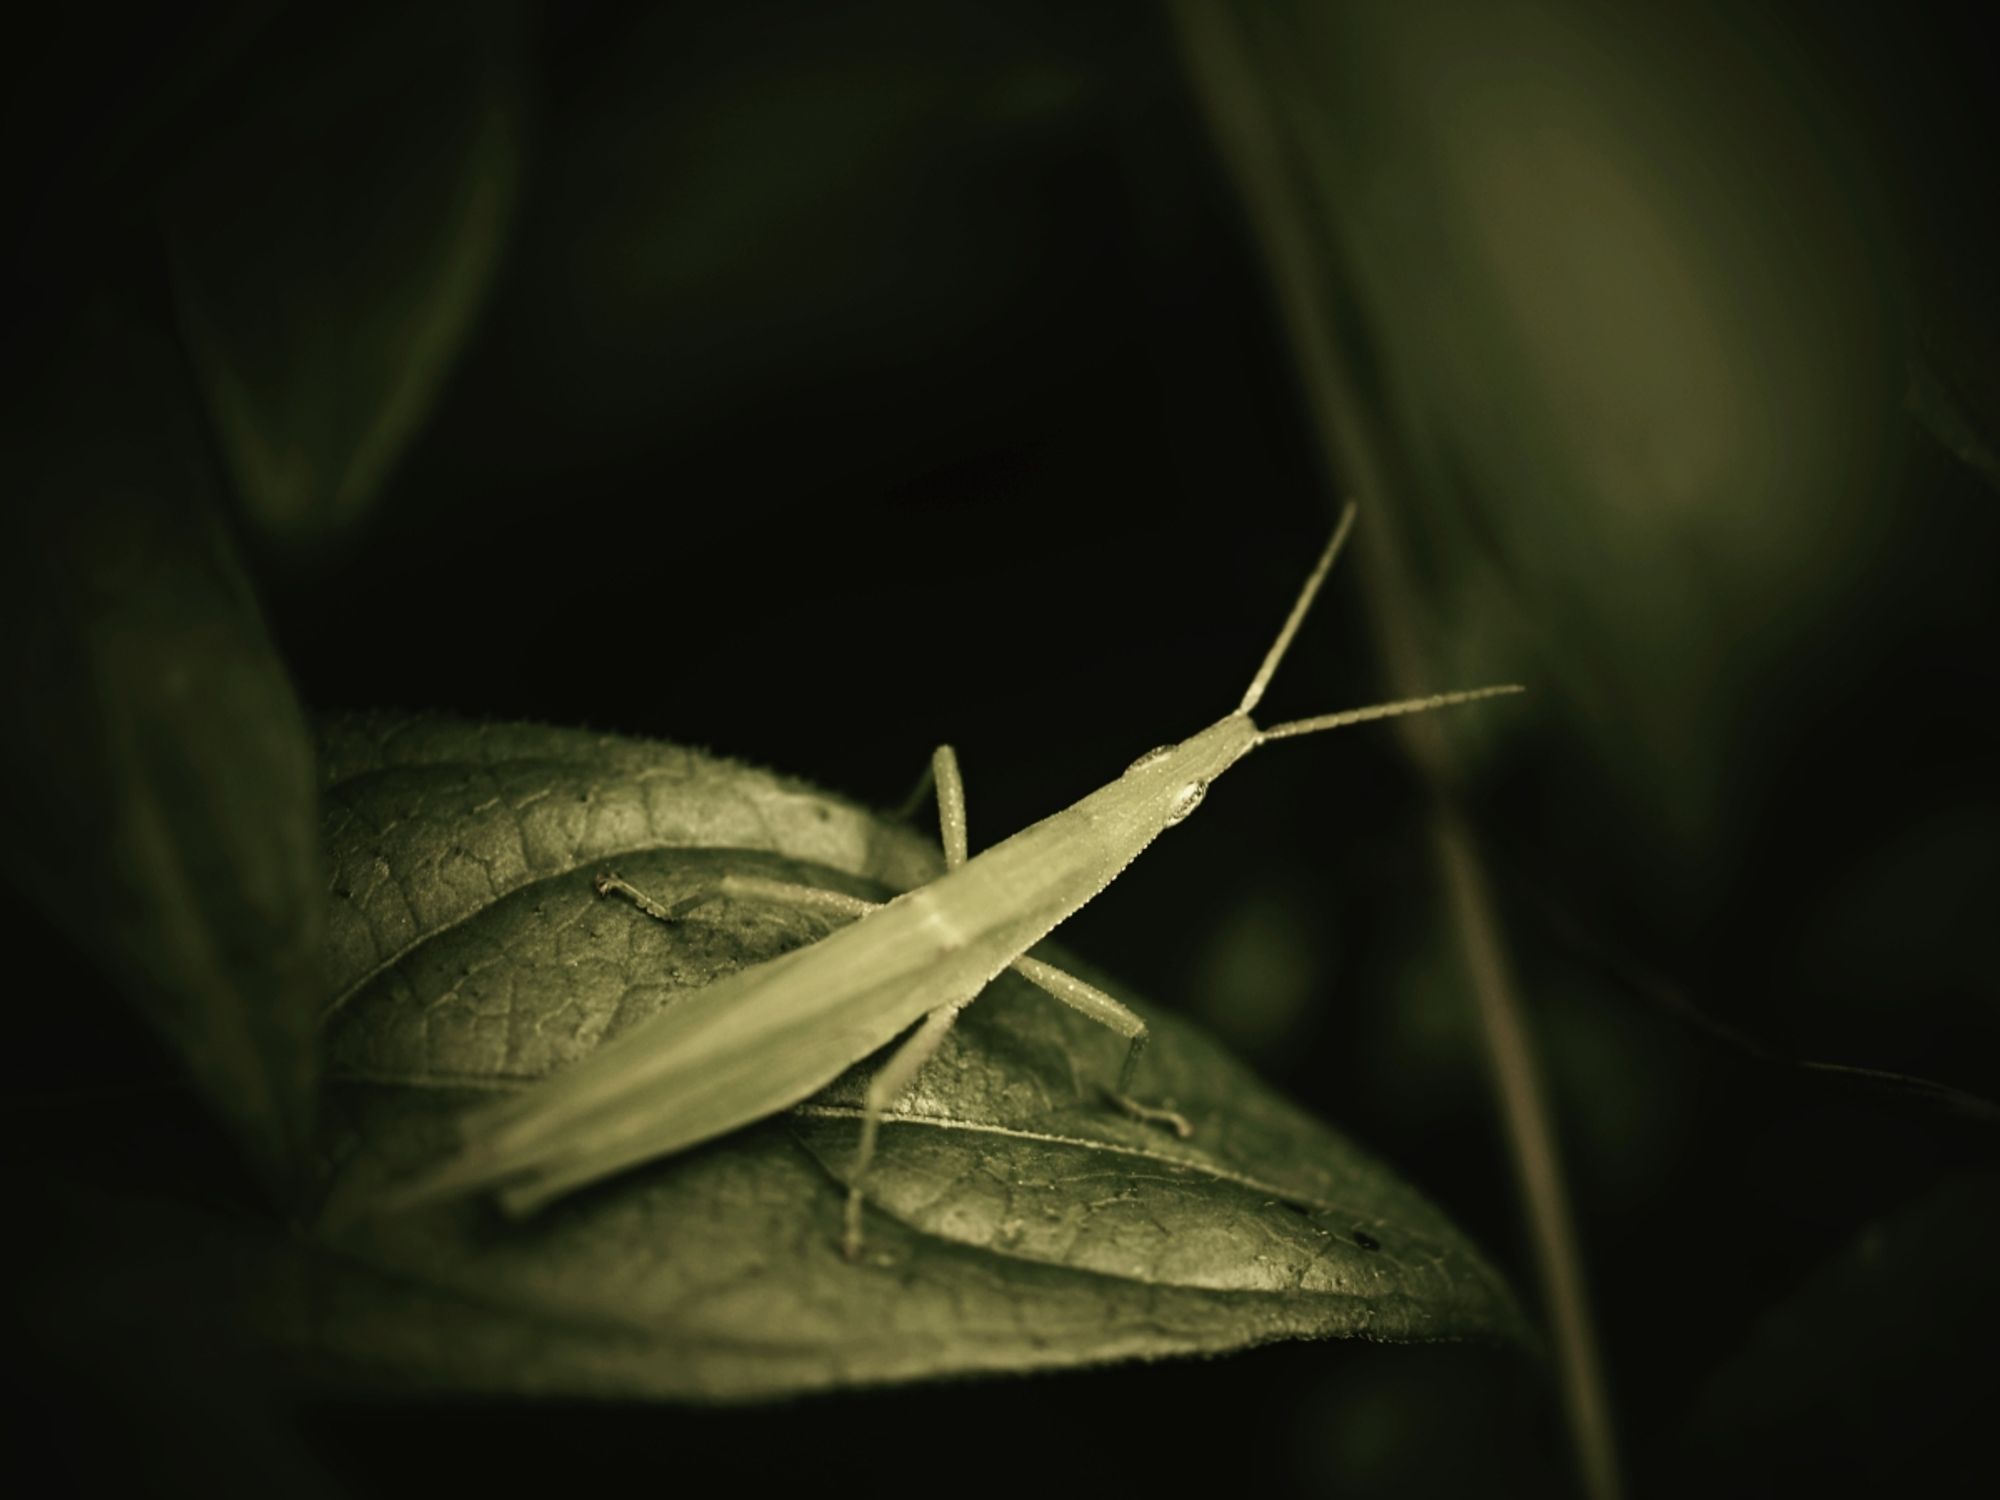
<point x="1605" y="413"/>
<point x="160" y="802"/>
<point x="333" y="246"/>
<point x="1015" y="1221"/>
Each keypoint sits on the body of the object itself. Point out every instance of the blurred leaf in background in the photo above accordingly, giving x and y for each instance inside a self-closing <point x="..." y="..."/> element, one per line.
<point x="161" y="809"/>
<point x="335" y="205"/>
<point x="333" y="238"/>
<point x="1621" y="298"/>
<point x="1622" y="330"/>
<point x="160" y="800"/>
<point x="1623" y="295"/>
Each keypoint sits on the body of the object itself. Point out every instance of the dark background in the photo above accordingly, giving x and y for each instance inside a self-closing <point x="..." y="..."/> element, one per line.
<point x="840" y="380"/>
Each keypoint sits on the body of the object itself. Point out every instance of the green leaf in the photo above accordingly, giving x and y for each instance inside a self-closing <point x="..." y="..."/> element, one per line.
<point x="1606" y="413"/>
<point x="1015" y="1222"/>
<point x="160" y="799"/>
<point x="333" y="246"/>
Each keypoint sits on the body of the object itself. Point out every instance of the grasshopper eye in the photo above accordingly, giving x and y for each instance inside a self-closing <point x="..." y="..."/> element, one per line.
<point x="1157" y="753"/>
<point x="1186" y="800"/>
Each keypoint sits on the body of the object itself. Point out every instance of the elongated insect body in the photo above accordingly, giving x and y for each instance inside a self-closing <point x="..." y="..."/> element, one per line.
<point x="769" y="1036"/>
<point x="789" y="1027"/>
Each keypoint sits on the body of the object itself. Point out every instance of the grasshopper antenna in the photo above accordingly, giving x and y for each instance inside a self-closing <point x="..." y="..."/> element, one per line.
<point x="1384" y="711"/>
<point x="1278" y="647"/>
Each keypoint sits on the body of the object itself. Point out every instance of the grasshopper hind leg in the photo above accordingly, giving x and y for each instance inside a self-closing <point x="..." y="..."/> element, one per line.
<point x="1088" y="1000"/>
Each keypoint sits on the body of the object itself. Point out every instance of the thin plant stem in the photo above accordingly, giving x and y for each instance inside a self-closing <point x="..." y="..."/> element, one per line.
<point x="1905" y="1091"/>
<point x="1300" y="258"/>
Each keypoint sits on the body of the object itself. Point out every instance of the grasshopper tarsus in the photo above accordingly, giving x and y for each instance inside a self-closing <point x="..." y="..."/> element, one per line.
<point x="611" y="883"/>
<point x="1151" y="1114"/>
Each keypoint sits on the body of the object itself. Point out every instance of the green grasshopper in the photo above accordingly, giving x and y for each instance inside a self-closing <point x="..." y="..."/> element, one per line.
<point x="769" y="1036"/>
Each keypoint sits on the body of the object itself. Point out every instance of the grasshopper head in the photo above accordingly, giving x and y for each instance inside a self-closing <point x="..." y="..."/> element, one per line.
<point x="1178" y="775"/>
<point x="1175" y="778"/>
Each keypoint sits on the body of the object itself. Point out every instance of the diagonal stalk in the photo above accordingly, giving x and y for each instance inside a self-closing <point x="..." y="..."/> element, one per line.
<point x="1301" y="263"/>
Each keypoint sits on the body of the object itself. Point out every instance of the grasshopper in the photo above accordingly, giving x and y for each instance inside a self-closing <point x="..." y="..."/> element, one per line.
<point x="769" y="1036"/>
